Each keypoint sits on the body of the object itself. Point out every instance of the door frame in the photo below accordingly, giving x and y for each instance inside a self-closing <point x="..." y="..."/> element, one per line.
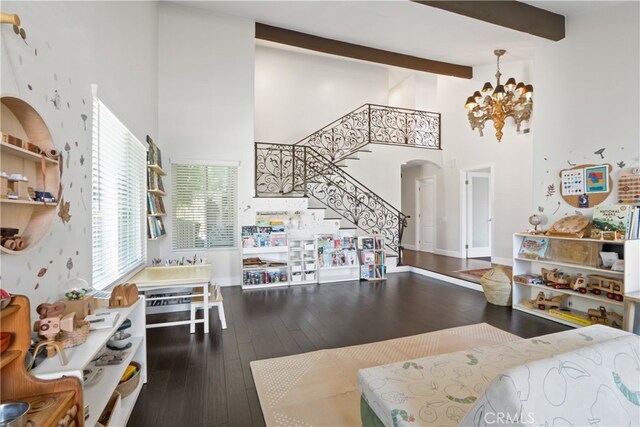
<point x="463" y="205"/>
<point x="418" y="223"/>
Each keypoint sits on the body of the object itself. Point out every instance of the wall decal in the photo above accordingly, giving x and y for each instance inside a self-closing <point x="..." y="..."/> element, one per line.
<point x="76" y="143"/>
<point x="55" y="77"/>
<point x="551" y="190"/>
<point x="558" y="208"/>
<point x="50" y="261"/>
<point x="30" y="88"/>
<point x="540" y="209"/>
<point x="77" y="252"/>
<point x="29" y="266"/>
<point x="20" y="59"/>
<point x="48" y="45"/>
<point x="60" y="251"/>
<point x="61" y="124"/>
<point x="37" y="286"/>
<point x="82" y="161"/>
<point x="621" y="164"/>
<point x="69" y="267"/>
<point x="600" y="151"/>
<point x="63" y="213"/>
<point x="84" y="118"/>
<point x="36" y="51"/>
<point x="71" y="185"/>
<point x="82" y="199"/>
<point x="42" y="271"/>
<point x="571" y="164"/>
<point x="68" y="105"/>
<point x="67" y="148"/>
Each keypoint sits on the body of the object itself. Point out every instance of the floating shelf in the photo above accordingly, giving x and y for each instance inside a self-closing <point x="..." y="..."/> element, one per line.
<point x="29" y="202"/>
<point x="156" y="191"/>
<point x="24" y="154"/>
<point x="157" y="169"/>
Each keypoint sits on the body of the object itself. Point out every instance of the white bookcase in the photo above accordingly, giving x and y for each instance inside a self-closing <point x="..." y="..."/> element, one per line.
<point x="372" y="257"/>
<point x="337" y="258"/>
<point x="81" y="357"/>
<point x="263" y="277"/>
<point x="303" y="261"/>
<point x="588" y="249"/>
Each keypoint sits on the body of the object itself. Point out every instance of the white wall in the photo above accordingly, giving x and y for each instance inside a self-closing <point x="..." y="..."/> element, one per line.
<point x="587" y="98"/>
<point x="410" y="174"/>
<point x="298" y="93"/>
<point x="71" y="45"/>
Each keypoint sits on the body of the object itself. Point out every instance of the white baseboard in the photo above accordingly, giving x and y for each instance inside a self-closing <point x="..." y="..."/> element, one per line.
<point x="455" y="254"/>
<point x="399" y="269"/>
<point x="448" y="279"/>
<point x="503" y="261"/>
<point x="410" y="247"/>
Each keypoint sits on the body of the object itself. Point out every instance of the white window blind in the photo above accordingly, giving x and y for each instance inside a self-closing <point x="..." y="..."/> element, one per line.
<point x="204" y="206"/>
<point x="118" y="198"/>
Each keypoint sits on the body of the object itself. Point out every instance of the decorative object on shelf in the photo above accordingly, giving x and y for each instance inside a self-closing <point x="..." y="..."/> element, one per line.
<point x="508" y="100"/>
<point x="49" y="326"/>
<point x="585" y="186"/>
<point x="78" y="335"/>
<point x="611" y="222"/>
<point x="14" y="20"/>
<point x="543" y="303"/>
<point x="533" y="247"/>
<point x="130" y="379"/>
<point x="5" y="299"/>
<point x="535" y="220"/>
<point x="528" y="278"/>
<point x="602" y="316"/>
<point x="496" y="284"/>
<point x="570" y="226"/>
<point x="123" y="295"/>
<point x="612" y="287"/>
<point x="556" y="278"/>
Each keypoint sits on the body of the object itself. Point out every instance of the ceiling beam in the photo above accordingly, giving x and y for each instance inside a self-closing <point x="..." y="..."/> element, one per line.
<point x="355" y="51"/>
<point x="509" y="14"/>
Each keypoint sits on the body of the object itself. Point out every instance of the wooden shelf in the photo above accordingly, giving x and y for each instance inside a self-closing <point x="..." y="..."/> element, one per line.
<point x="157" y="214"/>
<point x="8" y="357"/>
<point x="615" y="242"/>
<point x="156" y="191"/>
<point x="24" y="154"/>
<point x="8" y="311"/>
<point x="264" y="250"/>
<point x="29" y="202"/>
<point x="157" y="169"/>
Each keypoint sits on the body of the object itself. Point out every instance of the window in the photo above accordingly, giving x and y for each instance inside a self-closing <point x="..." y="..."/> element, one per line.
<point x="118" y="172"/>
<point x="204" y="206"/>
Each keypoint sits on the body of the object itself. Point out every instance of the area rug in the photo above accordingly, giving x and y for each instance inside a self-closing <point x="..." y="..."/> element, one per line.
<point x="475" y="273"/>
<point x="320" y="388"/>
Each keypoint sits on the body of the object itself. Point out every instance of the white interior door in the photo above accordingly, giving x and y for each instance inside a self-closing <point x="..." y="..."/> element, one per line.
<point x="478" y="214"/>
<point x="427" y="214"/>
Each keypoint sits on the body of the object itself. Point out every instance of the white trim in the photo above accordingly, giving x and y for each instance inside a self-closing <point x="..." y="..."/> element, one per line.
<point x="500" y="260"/>
<point x="418" y="200"/>
<point x="399" y="269"/>
<point x="448" y="279"/>
<point x="455" y="254"/>
<point x="410" y="247"/>
<point x="463" y="204"/>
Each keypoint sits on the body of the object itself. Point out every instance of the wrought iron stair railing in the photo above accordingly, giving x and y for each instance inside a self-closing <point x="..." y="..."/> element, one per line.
<point x="284" y="170"/>
<point x="375" y="124"/>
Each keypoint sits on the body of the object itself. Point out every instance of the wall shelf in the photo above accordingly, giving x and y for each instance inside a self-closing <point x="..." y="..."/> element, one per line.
<point x="22" y="153"/>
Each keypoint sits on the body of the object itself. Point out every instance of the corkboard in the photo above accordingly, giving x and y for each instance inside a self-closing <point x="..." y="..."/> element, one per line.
<point x="594" y="198"/>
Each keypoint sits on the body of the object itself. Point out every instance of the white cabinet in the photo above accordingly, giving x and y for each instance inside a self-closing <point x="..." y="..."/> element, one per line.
<point x="303" y="261"/>
<point x="372" y="257"/>
<point x="265" y="267"/>
<point x="576" y="257"/>
<point x="337" y="258"/>
<point x="81" y="357"/>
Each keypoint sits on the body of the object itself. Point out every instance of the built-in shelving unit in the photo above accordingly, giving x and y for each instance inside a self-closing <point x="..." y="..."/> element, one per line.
<point x="264" y="257"/>
<point x="303" y="261"/>
<point x="337" y="258"/>
<point x="26" y="150"/>
<point x="573" y="257"/>
<point x="372" y="257"/>
<point x="81" y="357"/>
<point x="155" y="192"/>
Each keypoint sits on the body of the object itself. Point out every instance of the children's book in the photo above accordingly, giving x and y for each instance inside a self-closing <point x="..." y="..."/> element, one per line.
<point x="610" y="221"/>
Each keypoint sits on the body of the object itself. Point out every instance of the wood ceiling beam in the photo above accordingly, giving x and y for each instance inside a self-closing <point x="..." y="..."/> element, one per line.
<point x="364" y="53"/>
<point x="509" y="14"/>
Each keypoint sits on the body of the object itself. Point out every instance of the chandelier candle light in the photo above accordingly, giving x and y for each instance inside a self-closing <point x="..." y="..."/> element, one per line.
<point x="508" y="100"/>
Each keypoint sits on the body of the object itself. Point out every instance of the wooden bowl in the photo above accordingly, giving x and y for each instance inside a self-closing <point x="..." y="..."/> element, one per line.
<point x="5" y="341"/>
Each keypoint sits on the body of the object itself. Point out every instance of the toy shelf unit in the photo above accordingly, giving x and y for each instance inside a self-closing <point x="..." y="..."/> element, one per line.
<point x="303" y="261"/>
<point x="372" y="257"/>
<point x="264" y="257"/>
<point x="337" y="258"/>
<point x="570" y="280"/>
<point x="155" y="192"/>
<point x="29" y="176"/>
<point x="99" y="390"/>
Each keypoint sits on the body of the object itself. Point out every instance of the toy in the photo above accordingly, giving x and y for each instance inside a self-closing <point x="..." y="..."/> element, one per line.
<point x="601" y="315"/>
<point x="614" y="288"/>
<point x="49" y="325"/>
<point x="578" y="284"/>
<point x="556" y="279"/>
<point x="542" y="302"/>
<point x="124" y="295"/>
<point x="528" y="279"/>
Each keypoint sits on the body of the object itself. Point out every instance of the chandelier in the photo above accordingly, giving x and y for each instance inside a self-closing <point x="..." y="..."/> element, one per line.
<point x="508" y="100"/>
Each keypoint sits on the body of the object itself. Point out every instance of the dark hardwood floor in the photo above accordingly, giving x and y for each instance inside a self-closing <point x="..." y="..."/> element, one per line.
<point x="205" y="380"/>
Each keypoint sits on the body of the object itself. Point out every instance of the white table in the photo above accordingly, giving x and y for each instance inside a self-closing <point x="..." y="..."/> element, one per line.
<point x="630" y="301"/>
<point x="177" y="277"/>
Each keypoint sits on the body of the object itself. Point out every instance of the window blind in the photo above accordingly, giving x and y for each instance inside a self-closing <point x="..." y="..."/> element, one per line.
<point x="204" y="201"/>
<point x="118" y="172"/>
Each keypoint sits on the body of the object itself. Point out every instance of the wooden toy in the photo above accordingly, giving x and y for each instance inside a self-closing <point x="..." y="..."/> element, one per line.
<point x="48" y="327"/>
<point x="578" y="284"/>
<point x="124" y="295"/>
<point x="612" y="287"/>
<point x="542" y="302"/>
<point x="601" y="315"/>
<point x="556" y="279"/>
<point x="571" y="226"/>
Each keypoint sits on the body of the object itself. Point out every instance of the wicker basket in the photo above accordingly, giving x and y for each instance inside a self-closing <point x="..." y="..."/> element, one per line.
<point x="496" y="284"/>
<point x="129" y="386"/>
<point x="77" y="336"/>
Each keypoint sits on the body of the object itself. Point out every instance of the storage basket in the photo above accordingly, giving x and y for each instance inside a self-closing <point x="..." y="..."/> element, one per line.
<point x="128" y="387"/>
<point x="496" y="284"/>
<point x="76" y="337"/>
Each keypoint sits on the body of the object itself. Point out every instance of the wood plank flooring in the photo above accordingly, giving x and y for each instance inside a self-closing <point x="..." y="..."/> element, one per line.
<point x="449" y="266"/>
<point x="205" y="380"/>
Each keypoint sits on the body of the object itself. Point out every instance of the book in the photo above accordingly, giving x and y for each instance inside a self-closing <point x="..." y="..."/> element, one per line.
<point x="610" y="222"/>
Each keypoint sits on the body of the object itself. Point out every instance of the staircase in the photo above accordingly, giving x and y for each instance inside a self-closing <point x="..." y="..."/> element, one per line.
<point x="313" y="166"/>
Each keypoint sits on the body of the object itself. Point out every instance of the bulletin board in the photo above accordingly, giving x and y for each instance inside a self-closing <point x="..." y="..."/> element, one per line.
<point x="579" y="180"/>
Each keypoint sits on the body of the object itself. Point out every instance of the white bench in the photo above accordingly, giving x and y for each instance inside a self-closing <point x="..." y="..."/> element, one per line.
<point x="215" y="300"/>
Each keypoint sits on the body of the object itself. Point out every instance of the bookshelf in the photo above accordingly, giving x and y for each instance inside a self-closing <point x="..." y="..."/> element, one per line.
<point x="372" y="257"/>
<point x="303" y="261"/>
<point x="337" y="258"/>
<point x="155" y="192"/>
<point x="264" y="257"/>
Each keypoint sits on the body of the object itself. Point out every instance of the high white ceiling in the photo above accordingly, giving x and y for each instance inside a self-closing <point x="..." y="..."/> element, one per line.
<point x="399" y="26"/>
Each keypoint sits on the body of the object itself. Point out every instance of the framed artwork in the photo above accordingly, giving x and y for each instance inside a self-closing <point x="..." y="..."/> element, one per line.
<point x="596" y="179"/>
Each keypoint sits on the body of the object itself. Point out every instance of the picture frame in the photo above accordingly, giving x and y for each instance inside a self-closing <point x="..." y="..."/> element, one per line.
<point x="596" y="179"/>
